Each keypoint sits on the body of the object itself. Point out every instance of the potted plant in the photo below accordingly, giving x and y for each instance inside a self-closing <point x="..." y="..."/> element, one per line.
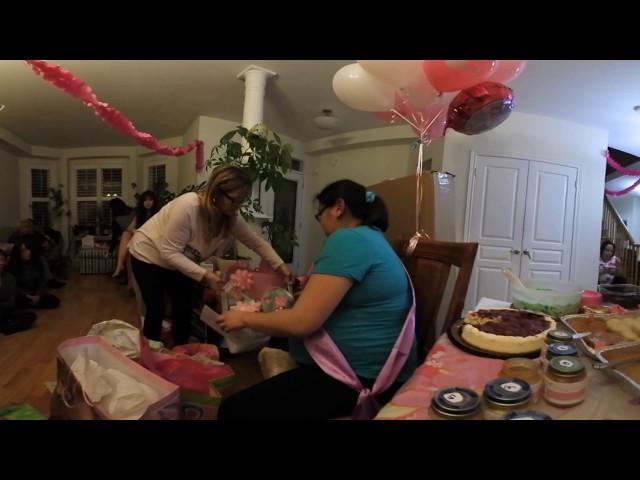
<point x="266" y="160"/>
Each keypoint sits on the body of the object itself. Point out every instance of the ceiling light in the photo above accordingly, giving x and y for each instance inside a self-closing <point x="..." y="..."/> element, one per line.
<point x="326" y="121"/>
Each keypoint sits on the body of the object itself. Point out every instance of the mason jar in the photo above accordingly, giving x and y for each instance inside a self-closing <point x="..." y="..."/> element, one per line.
<point x="527" y="370"/>
<point x="504" y="395"/>
<point x="455" y="403"/>
<point x="565" y="382"/>
<point x="525" y="415"/>
<point x="553" y="337"/>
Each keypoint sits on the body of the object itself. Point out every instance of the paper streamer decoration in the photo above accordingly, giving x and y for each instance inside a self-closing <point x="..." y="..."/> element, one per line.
<point x="66" y="81"/>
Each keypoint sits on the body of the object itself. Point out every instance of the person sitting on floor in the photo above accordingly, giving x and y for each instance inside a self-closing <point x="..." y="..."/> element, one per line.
<point x="28" y="268"/>
<point x="12" y="319"/>
<point x="45" y="247"/>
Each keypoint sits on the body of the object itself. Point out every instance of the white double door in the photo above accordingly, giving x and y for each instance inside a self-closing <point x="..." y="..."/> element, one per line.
<point x="522" y="214"/>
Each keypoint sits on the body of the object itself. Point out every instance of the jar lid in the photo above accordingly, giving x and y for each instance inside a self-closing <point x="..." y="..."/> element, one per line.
<point x="559" y="335"/>
<point x="566" y="365"/>
<point x="560" y="349"/>
<point x="455" y="401"/>
<point x="507" y="390"/>
<point x="525" y="415"/>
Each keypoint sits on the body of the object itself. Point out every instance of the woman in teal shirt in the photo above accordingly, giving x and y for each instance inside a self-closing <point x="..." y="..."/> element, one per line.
<point x="358" y="292"/>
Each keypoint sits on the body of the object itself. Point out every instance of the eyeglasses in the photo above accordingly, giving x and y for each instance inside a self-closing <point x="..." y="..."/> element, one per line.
<point x="317" y="215"/>
<point x="234" y="202"/>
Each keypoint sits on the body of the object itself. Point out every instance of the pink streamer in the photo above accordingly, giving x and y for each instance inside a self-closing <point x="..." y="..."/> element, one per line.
<point x="621" y="169"/>
<point x="66" y="81"/>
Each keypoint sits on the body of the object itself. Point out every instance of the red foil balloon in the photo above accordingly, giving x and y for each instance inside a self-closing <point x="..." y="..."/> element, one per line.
<point x="480" y="108"/>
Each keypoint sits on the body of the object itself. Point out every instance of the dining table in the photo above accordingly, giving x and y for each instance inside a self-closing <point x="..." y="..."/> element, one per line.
<point x="449" y="365"/>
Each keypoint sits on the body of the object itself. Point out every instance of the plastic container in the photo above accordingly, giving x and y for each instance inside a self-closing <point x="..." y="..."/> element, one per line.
<point x="625" y="295"/>
<point x="591" y="299"/>
<point x="551" y="297"/>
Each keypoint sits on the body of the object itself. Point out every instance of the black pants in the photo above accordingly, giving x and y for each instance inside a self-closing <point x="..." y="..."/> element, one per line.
<point x="16" y="320"/>
<point x="47" y="300"/>
<point x="154" y="281"/>
<point x="304" y="393"/>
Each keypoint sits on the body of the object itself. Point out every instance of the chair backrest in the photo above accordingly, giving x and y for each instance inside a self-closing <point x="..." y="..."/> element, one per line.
<point x="429" y="266"/>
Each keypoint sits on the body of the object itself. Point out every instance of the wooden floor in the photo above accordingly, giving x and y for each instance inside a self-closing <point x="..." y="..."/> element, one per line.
<point x="27" y="359"/>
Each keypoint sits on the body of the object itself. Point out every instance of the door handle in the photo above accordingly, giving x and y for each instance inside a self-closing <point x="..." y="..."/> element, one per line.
<point x="526" y="252"/>
<point x="515" y="251"/>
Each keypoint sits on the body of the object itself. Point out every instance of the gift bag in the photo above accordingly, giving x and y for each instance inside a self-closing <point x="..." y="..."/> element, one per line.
<point x="201" y="377"/>
<point x="96" y="381"/>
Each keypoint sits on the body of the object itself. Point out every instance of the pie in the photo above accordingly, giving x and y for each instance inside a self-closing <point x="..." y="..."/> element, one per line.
<point x="506" y="330"/>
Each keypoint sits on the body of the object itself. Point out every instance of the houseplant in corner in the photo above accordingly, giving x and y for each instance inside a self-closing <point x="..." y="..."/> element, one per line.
<point x="266" y="160"/>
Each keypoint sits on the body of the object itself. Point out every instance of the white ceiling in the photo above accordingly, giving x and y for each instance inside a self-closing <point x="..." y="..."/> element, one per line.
<point x="163" y="97"/>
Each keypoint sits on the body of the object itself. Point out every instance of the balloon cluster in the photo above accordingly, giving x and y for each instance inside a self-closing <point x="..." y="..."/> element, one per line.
<point x="469" y="96"/>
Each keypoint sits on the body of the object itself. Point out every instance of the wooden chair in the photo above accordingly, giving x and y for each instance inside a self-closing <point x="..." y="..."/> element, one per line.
<point x="429" y="266"/>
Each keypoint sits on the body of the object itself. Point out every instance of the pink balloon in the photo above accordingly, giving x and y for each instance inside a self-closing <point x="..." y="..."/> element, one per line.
<point x="507" y="70"/>
<point x="452" y="75"/>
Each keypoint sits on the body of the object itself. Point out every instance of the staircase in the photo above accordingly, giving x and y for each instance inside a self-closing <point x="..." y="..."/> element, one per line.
<point x="627" y="250"/>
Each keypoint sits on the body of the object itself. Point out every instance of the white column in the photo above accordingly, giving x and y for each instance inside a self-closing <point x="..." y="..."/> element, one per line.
<point x="255" y="79"/>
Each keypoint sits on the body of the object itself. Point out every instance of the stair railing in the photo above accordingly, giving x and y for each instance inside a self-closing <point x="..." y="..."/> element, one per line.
<point x="627" y="250"/>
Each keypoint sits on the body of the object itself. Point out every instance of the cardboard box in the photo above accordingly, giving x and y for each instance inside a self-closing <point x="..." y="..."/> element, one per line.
<point x="436" y="215"/>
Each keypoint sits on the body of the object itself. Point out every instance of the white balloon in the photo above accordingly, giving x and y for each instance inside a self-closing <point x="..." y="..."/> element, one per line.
<point x="362" y="91"/>
<point x="397" y="73"/>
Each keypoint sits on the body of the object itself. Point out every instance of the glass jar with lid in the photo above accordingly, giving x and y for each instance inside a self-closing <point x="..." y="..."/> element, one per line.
<point x="455" y="403"/>
<point x="527" y="370"/>
<point x="525" y="415"/>
<point x="503" y="395"/>
<point x="553" y="337"/>
<point x="565" y="382"/>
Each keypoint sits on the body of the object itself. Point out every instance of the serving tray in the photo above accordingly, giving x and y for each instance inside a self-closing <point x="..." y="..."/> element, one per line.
<point x="592" y="344"/>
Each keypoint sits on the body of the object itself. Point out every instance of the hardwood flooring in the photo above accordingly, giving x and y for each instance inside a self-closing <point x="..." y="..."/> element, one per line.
<point x="27" y="359"/>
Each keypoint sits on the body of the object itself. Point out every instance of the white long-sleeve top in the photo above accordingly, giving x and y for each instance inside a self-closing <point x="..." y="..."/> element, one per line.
<point x="175" y="238"/>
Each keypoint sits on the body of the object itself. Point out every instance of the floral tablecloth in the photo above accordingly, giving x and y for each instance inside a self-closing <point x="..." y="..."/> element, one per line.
<point x="446" y="366"/>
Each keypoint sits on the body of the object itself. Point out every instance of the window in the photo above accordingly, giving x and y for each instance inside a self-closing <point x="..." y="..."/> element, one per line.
<point x="157" y="178"/>
<point x="40" y="183"/>
<point x="94" y="188"/>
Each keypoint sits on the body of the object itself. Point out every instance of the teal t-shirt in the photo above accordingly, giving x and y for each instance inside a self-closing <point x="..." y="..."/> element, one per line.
<point x="367" y="322"/>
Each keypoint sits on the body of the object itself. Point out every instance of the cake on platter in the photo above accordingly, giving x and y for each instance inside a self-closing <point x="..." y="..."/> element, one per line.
<point x="506" y="330"/>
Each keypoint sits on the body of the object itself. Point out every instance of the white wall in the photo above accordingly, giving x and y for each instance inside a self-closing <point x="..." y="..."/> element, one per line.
<point x="540" y="138"/>
<point x="628" y="207"/>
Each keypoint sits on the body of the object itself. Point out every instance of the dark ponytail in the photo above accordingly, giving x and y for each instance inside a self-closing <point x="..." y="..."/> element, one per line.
<point x="364" y="205"/>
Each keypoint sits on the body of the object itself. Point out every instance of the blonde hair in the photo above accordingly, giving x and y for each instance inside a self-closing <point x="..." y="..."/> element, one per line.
<point x="223" y="179"/>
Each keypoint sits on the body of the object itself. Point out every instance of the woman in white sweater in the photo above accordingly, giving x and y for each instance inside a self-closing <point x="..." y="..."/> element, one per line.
<point x="167" y="251"/>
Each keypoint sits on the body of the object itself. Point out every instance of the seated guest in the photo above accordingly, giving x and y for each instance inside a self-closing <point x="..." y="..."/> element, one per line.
<point x="45" y="246"/>
<point x="27" y="266"/>
<point x="359" y="293"/>
<point x="12" y="319"/>
<point x="610" y="268"/>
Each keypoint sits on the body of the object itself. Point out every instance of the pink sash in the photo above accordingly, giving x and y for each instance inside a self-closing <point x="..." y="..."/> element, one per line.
<point x="328" y="357"/>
